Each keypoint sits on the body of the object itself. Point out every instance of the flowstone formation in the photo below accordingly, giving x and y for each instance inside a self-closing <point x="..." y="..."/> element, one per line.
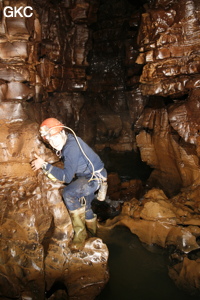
<point x="169" y="127"/>
<point x="36" y="230"/>
<point x="169" y="44"/>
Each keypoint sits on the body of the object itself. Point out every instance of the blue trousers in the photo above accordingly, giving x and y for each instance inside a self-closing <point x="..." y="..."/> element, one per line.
<point x="77" y="189"/>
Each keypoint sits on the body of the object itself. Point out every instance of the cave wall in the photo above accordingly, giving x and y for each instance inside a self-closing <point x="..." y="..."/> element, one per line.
<point x="168" y="131"/>
<point x="88" y="79"/>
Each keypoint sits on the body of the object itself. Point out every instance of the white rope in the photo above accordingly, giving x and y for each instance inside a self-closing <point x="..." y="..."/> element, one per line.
<point x="99" y="176"/>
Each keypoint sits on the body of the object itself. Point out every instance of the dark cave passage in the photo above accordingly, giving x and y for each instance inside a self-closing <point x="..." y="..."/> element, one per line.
<point x="128" y="164"/>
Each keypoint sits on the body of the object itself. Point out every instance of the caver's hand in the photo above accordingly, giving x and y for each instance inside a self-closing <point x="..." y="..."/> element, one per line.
<point x="37" y="163"/>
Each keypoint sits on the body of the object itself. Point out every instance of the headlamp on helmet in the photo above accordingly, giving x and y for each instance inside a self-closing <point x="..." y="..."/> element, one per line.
<point x="50" y="127"/>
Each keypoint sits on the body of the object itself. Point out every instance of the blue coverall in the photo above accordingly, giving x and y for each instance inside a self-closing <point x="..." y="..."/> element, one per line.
<point x="76" y="165"/>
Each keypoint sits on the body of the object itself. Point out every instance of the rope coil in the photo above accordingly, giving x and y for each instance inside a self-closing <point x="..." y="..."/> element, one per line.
<point x="96" y="175"/>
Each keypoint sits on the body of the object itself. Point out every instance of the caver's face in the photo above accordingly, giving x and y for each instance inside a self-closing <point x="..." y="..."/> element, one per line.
<point x="57" y="141"/>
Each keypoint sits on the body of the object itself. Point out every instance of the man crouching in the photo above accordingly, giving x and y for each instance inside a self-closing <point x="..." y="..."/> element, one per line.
<point x="81" y="163"/>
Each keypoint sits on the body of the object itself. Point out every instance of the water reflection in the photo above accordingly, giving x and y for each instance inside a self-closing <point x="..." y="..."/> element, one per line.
<point x="137" y="272"/>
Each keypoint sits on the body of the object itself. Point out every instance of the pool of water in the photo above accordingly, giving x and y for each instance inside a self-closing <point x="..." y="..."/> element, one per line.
<point x="137" y="272"/>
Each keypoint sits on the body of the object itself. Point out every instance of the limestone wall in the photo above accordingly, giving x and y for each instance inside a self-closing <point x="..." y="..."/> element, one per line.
<point x="39" y="55"/>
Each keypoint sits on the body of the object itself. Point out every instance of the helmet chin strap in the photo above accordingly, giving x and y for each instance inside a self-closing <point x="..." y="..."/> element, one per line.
<point x="64" y="136"/>
<point x="64" y="139"/>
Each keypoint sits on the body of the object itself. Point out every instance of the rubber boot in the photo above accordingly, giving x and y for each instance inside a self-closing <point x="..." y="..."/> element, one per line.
<point x="78" y="222"/>
<point x="91" y="226"/>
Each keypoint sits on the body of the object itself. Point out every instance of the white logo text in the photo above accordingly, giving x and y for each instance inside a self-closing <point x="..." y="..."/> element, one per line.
<point x="21" y="11"/>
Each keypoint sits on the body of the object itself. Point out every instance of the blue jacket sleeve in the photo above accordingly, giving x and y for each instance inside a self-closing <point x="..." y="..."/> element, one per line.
<point x="71" y="157"/>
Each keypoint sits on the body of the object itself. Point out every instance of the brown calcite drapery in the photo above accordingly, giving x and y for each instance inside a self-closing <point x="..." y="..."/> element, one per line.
<point x="168" y="39"/>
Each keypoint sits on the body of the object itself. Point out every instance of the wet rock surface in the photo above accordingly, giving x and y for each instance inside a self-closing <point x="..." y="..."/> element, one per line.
<point x="168" y="38"/>
<point x="168" y="125"/>
<point x="171" y="223"/>
<point x="157" y="139"/>
<point x="36" y="230"/>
